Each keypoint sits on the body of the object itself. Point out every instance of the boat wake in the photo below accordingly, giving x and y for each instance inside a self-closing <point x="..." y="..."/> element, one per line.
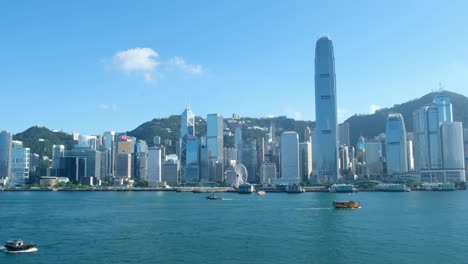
<point x="313" y="208"/>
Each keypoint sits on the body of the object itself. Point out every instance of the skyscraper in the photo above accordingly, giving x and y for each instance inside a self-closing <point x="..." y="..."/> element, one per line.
<point x="5" y="154"/>
<point x="395" y="141"/>
<point x="452" y="151"/>
<point x="192" y="159"/>
<point x="154" y="166"/>
<point x="58" y="152"/>
<point x="326" y="141"/>
<point x="373" y="158"/>
<point x="214" y="138"/>
<point x="187" y="133"/>
<point x="141" y="161"/>
<point x="290" y="157"/>
<point x="19" y="164"/>
<point x="305" y="159"/>
<point x="343" y="134"/>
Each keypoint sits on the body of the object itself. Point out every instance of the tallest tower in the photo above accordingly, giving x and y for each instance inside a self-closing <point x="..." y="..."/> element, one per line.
<point x="326" y="159"/>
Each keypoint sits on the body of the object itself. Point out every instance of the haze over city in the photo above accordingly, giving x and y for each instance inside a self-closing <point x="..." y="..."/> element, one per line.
<point x="98" y="66"/>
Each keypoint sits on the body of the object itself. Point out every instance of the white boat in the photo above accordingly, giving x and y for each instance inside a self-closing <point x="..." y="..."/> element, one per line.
<point x="392" y="187"/>
<point x="342" y="188"/>
<point x="18" y="246"/>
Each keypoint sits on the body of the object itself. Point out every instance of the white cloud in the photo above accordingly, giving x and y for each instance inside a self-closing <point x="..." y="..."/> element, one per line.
<point x="110" y="107"/>
<point x="374" y="108"/>
<point x="181" y="64"/>
<point x="139" y="61"/>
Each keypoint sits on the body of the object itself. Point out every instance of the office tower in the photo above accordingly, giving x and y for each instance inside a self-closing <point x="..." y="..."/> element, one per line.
<point x="444" y="108"/>
<point x="78" y="165"/>
<point x="123" y="168"/>
<point x="343" y="134"/>
<point x="307" y="134"/>
<point x="410" y="155"/>
<point x="214" y="136"/>
<point x="87" y="142"/>
<point x="261" y="151"/>
<point x="170" y="172"/>
<point x="141" y="161"/>
<point x="267" y="173"/>
<point x="204" y="164"/>
<point x="230" y="156"/>
<point x="216" y="170"/>
<point x="19" y="164"/>
<point x="187" y="119"/>
<point x="124" y="145"/>
<point x="187" y="130"/>
<point x="373" y="158"/>
<point x="344" y="160"/>
<point x="249" y="160"/>
<point x="452" y="151"/>
<point x="395" y="141"/>
<point x="5" y="154"/>
<point x="305" y="160"/>
<point x="238" y="142"/>
<point x="361" y="149"/>
<point x="58" y="152"/>
<point x="154" y="166"/>
<point x="290" y="157"/>
<point x="108" y="149"/>
<point x="326" y="140"/>
<point x="192" y="160"/>
<point x="465" y="140"/>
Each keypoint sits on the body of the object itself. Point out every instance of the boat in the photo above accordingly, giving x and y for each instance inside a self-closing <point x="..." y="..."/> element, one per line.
<point x="346" y="204"/>
<point x="392" y="187"/>
<point x="261" y="193"/>
<point x="246" y="188"/>
<point x="18" y="246"/>
<point x="213" y="197"/>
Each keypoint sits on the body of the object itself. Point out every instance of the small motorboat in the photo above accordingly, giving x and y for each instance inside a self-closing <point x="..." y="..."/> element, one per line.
<point x="18" y="246"/>
<point x="346" y="204"/>
<point x="213" y="197"/>
<point x="261" y="193"/>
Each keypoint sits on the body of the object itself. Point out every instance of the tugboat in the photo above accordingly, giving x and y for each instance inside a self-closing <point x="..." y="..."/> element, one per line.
<point x="213" y="197"/>
<point x="346" y="205"/>
<point x="18" y="246"/>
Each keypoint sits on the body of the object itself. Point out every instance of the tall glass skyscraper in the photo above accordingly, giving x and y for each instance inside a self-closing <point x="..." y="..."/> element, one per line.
<point x="326" y="140"/>
<point x="187" y="130"/>
<point x="290" y="157"/>
<point x="5" y="154"/>
<point x="395" y="141"/>
<point x="214" y="138"/>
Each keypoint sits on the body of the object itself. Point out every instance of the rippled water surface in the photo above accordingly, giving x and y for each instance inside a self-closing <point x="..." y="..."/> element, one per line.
<point x="168" y="227"/>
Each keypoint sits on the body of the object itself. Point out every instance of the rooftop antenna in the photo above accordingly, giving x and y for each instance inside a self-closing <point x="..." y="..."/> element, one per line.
<point x="441" y="87"/>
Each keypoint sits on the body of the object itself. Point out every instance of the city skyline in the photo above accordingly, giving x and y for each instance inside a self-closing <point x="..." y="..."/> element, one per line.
<point x="126" y="72"/>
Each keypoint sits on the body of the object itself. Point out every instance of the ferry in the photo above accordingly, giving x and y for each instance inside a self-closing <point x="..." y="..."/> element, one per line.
<point x="213" y="197"/>
<point x="18" y="246"/>
<point x="346" y="204"/>
<point x="342" y="188"/>
<point x="438" y="186"/>
<point x="246" y="188"/>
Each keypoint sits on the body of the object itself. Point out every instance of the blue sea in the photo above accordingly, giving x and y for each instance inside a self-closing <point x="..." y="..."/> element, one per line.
<point x="169" y="227"/>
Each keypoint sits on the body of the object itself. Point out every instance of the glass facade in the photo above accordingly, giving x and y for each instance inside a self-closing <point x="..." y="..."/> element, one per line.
<point x="326" y="140"/>
<point x="192" y="159"/>
<point x="290" y="157"/>
<point x="396" y="148"/>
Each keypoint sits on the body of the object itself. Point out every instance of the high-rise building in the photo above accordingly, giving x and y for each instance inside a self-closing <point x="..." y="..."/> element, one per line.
<point x="141" y="161"/>
<point x="19" y="164"/>
<point x="267" y="173"/>
<point x="373" y="158"/>
<point x="410" y="154"/>
<point x="238" y="142"/>
<point x="187" y="120"/>
<point x="5" y="154"/>
<point x="452" y="151"/>
<point x="187" y="133"/>
<point x="344" y="160"/>
<point x="214" y="136"/>
<point x="170" y="172"/>
<point x="204" y="164"/>
<point x="80" y="164"/>
<point x="123" y="166"/>
<point x="305" y="160"/>
<point x="108" y="149"/>
<point x="395" y="141"/>
<point x="192" y="159"/>
<point x="249" y="160"/>
<point x="343" y="134"/>
<point x="465" y="140"/>
<point x="58" y="152"/>
<point x="154" y="166"/>
<point x="307" y="134"/>
<point x="290" y="157"/>
<point x="326" y="140"/>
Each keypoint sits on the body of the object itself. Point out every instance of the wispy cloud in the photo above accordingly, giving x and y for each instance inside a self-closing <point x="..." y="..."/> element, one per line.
<point x="181" y="64"/>
<point x="108" y="107"/>
<point x="373" y="108"/>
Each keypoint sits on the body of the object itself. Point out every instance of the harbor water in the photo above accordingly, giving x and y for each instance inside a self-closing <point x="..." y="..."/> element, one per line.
<point x="170" y="227"/>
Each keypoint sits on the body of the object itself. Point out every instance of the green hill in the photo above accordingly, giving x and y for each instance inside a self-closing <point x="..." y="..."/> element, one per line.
<point x="40" y="140"/>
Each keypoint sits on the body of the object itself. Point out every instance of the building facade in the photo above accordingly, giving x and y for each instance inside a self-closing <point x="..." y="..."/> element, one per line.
<point x="326" y="140"/>
<point x="290" y="158"/>
<point x="395" y="142"/>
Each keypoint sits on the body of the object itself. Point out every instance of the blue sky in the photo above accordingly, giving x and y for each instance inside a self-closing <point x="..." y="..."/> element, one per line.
<point x="92" y="66"/>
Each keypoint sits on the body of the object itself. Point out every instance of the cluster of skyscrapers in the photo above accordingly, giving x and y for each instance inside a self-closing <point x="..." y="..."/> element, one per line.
<point x="435" y="150"/>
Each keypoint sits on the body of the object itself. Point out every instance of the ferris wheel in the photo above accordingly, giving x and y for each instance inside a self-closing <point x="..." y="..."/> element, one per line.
<point x="236" y="175"/>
